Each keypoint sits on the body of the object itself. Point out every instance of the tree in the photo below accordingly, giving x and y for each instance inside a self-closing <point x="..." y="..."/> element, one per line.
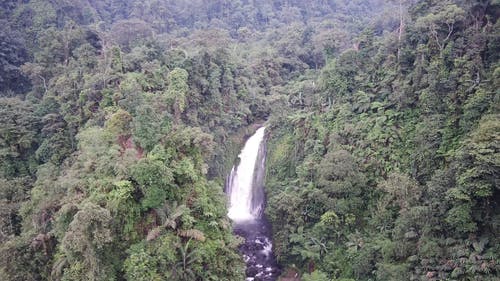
<point x="119" y="124"/>
<point x="18" y="136"/>
<point x="177" y="91"/>
<point x="400" y="190"/>
<point x="13" y="54"/>
<point x="84" y="246"/>
<point x="149" y="127"/>
<point x="57" y="46"/>
<point x="316" y="275"/>
<point x="13" y="193"/>
<point x="477" y="178"/>
<point x="339" y="175"/>
<point x="155" y="181"/>
<point x="130" y="32"/>
<point x="441" y="23"/>
<point x="140" y="265"/>
<point x="56" y="141"/>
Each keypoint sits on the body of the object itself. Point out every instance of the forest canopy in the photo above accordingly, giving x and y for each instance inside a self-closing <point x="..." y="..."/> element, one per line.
<point x="119" y="121"/>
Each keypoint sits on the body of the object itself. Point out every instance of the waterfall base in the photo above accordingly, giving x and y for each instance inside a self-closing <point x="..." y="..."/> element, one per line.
<point x="257" y="250"/>
<point x="245" y="190"/>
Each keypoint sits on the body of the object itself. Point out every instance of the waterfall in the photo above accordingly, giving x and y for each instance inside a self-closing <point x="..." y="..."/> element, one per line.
<point x="244" y="187"/>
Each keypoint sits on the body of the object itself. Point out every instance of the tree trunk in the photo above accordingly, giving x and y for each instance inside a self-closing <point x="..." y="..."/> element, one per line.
<point x="401" y="28"/>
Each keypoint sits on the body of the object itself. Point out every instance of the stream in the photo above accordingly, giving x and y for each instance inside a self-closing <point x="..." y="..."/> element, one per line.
<point x="245" y="189"/>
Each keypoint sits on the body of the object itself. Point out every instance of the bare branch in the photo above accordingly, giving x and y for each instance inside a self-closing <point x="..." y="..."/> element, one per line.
<point x="44" y="83"/>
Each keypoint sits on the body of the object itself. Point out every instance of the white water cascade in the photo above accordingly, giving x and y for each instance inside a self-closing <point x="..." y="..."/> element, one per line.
<point x="245" y="189"/>
<point x="246" y="196"/>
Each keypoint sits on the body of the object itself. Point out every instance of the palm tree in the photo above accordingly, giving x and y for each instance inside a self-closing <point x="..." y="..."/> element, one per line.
<point x="182" y="270"/>
<point x="168" y="214"/>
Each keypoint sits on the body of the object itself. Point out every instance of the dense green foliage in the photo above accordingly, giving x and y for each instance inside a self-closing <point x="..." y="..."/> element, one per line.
<point x="389" y="168"/>
<point x="120" y="119"/>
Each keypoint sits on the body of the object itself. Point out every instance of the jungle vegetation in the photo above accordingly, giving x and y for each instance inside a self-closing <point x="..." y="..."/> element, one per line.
<point x="121" y="119"/>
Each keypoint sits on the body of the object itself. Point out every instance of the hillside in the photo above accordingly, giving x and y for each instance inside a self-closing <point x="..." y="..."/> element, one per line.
<point x="120" y="121"/>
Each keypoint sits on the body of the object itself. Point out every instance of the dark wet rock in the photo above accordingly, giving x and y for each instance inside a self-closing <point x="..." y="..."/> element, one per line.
<point x="251" y="271"/>
<point x="257" y="250"/>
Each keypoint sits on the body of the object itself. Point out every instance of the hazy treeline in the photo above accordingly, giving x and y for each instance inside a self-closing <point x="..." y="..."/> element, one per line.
<point x="121" y="119"/>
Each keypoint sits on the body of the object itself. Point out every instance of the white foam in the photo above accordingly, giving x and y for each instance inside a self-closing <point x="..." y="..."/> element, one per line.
<point x="240" y="190"/>
<point x="268" y="248"/>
